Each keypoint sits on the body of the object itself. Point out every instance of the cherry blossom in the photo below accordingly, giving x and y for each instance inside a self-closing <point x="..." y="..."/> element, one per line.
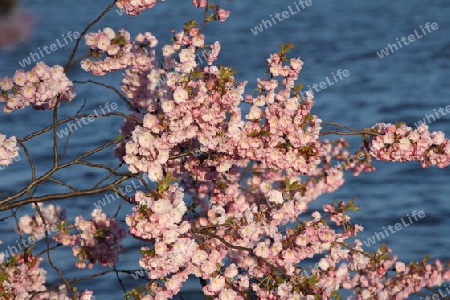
<point x="8" y="149"/>
<point x="34" y="226"/>
<point x="230" y="191"/>
<point x="110" y="51"/>
<point x="135" y="7"/>
<point x="97" y="239"/>
<point x="402" y="143"/>
<point x="40" y="87"/>
<point x="23" y="278"/>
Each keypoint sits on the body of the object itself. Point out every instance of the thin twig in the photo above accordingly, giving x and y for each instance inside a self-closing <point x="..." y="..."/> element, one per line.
<point x="69" y="62"/>
<point x="70" y="134"/>
<point x="66" y="283"/>
<point x="108" y="87"/>
<point x="48" y="128"/>
<point x="62" y="196"/>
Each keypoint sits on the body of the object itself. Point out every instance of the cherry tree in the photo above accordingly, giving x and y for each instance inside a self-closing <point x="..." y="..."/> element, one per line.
<point x="225" y="190"/>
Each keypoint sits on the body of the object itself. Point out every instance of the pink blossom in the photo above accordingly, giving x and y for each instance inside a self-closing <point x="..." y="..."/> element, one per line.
<point x="25" y="91"/>
<point x="418" y="144"/>
<point x="276" y="196"/>
<point x="180" y="95"/>
<point x="99" y="239"/>
<point x="115" y="50"/>
<point x="135" y="7"/>
<point x="34" y="226"/>
<point x="8" y="149"/>
<point x="103" y="42"/>
<point x="199" y="3"/>
<point x="223" y="14"/>
<point x="87" y="295"/>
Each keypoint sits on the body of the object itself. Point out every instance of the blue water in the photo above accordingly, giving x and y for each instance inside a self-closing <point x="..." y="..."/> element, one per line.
<point x="329" y="36"/>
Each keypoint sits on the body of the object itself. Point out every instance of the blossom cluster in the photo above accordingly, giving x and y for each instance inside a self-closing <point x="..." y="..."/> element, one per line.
<point x="196" y="111"/>
<point x="188" y="104"/>
<point x="369" y="276"/>
<point x="255" y="246"/>
<point x="135" y="7"/>
<point x="165" y="213"/>
<point x="280" y="130"/>
<point x="287" y="137"/>
<point x="186" y="109"/>
<point x="15" y="25"/>
<point x="8" y="149"/>
<point x="357" y="163"/>
<point x="40" y="87"/>
<point x="152" y="141"/>
<point x="159" y="219"/>
<point x="23" y="278"/>
<point x="249" y="178"/>
<point x="135" y="83"/>
<point x="34" y="225"/>
<point x="398" y="142"/>
<point x="372" y="274"/>
<point x="220" y="14"/>
<point x="109" y="51"/>
<point x="98" y="239"/>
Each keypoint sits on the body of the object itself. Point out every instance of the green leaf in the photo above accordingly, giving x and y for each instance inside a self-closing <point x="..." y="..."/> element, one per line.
<point x="313" y="279"/>
<point x="295" y="186"/>
<point x="226" y="72"/>
<point x="165" y="184"/>
<point x="287" y="183"/>
<point x="351" y="206"/>
<point x="298" y="88"/>
<point x="211" y="17"/>
<point x="309" y="117"/>
<point x="150" y="252"/>
<point x="190" y="24"/>
<point x="286" y="47"/>
<point x="335" y="294"/>
<point x="264" y="133"/>
<point x="118" y="40"/>
<point x="3" y="277"/>
<point x="196" y="73"/>
<point x="221" y="185"/>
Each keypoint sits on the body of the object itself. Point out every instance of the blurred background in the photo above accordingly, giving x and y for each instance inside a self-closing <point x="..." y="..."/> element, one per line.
<point x="329" y="35"/>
